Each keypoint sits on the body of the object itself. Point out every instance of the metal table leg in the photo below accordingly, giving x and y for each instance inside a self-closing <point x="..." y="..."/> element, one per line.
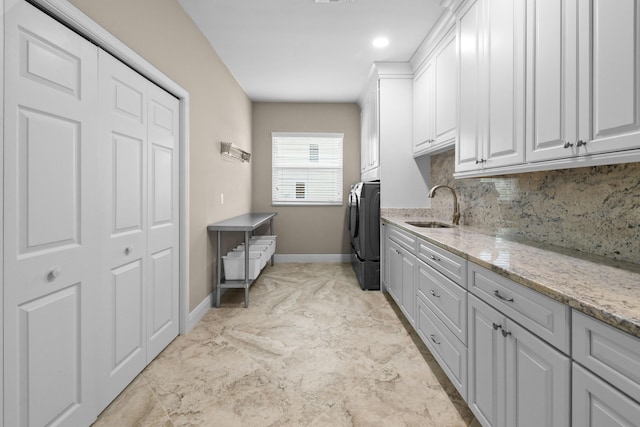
<point x="272" y="232"/>
<point x="246" y="269"/>
<point x="218" y="269"/>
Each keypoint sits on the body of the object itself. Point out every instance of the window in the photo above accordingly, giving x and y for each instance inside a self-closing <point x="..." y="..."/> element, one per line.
<point x="306" y="168"/>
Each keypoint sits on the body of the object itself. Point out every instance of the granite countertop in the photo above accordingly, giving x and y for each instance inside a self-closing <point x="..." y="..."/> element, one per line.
<point x="606" y="289"/>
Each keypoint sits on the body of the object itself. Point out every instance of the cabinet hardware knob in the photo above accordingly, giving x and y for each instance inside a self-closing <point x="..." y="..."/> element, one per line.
<point x="435" y="258"/>
<point x="434" y="294"/>
<point x="496" y="326"/>
<point x="580" y="143"/>
<point x="128" y="250"/>
<point x="505" y="333"/>
<point x="54" y="273"/>
<point x="568" y="144"/>
<point x="499" y="295"/>
<point x="433" y="338"/>
<point x="480" y="161"/>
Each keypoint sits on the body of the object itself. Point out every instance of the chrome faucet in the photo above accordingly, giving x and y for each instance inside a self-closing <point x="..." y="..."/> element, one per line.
<point x="456" y="210"/>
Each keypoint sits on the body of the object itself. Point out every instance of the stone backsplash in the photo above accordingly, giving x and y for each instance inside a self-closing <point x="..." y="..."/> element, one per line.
<point x="594" y="209"/>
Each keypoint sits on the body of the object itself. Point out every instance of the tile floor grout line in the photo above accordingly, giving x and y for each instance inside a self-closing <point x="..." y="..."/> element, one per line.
<point x="156" y="398"/>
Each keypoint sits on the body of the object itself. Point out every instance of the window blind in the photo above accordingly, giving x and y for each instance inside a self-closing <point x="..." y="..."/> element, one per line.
<point x="306" y="168"/>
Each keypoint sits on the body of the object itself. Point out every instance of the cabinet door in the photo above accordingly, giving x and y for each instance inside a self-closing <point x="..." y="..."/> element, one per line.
<point x="384" y="258"/>
<point x="609" y="79"/>
<point x="597" y="404"/>
<point x="365" y="134"/>
<point x="486" y="358"/>
<point x="444" y="123"/>
<point x="51" y="222"/>
<point x="409" y="286"/>
<point x="394" y="262"/>
<point x="551" y="79"/>
<point x="469" y="137"/>
<point x="374" y="135"/>
<point x="504" y="102"/>
<point x="538" y="381"/>
<point x="423" y="108"/>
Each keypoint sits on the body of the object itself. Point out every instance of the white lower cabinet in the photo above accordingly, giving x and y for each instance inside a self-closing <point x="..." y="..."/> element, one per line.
<point x="506" y="348"/>
<point x="432" y="302"/>
<point x="606" y="374"/>
<point x="402" y="287"/>
<point x="445" y="347"/>
<point x="598" y="404"/>
<point x="515" y="378"/>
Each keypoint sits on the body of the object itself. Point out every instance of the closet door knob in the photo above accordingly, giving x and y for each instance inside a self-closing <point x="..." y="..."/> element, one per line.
<point x="54" y="273"/>
<point x="128" y="250"/>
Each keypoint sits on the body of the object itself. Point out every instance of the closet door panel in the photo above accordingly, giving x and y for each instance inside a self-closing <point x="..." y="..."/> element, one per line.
<point x="163" y="297"/>
<point x="51" y="238"/>
<point x="124" y="150"/>
<point x="126" y="321"/>
<point x="49" y="181"/>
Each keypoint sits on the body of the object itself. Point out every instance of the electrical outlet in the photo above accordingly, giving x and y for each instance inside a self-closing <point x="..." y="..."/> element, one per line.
<point x="222" y="198"/>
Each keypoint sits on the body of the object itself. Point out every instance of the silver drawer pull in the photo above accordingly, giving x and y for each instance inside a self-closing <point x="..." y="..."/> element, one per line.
<point x="434" y="294"/>
<point x="435" y="258"/>
<point x="433" y="338"/>
<point x="499" y="295"/>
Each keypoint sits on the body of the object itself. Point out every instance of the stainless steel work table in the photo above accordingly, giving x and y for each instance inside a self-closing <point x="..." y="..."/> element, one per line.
<point x="247" y="223"/>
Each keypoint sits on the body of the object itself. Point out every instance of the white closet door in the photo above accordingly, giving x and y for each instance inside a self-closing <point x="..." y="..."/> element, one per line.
<point x="50" y="223"/>
<point x="140" y="284"/>
<point x="123" y="149"/>
<point x="163" y="220"/>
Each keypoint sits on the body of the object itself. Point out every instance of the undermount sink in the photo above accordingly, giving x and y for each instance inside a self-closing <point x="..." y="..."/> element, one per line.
<point x="430" y="224"/>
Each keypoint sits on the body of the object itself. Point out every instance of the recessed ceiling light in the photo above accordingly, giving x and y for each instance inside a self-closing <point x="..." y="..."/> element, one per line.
<point x="381" y="42"/>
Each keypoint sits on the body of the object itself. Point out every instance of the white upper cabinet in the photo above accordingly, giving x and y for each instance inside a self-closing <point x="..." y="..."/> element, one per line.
<point x="468" y="141"/>
<point x="434" y="99"/>
<point x="608" y="76"/>
<point x="578" y="65"/>
<point x="386" y="125"/>
<point x="370" y="137"/>
<point x="423" y="108"/>
<point x="551" y="82"/>
<point x="583" y="78"/>
<point x="491" y="81"/>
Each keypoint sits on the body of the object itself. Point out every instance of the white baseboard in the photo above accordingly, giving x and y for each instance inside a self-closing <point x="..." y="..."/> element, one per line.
<point x="199" y="312"/>
<point x="303" y="258"/>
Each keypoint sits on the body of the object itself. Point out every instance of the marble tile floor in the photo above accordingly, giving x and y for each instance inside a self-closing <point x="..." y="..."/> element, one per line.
<point x="312" y="349"/>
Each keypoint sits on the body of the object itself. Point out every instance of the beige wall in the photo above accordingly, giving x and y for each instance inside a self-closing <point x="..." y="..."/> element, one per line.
<point x="308" y="229"/>
<point x="162" y="33"/>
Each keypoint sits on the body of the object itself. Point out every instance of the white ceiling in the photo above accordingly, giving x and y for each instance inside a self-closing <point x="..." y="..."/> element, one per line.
<point x="302" y="51"/>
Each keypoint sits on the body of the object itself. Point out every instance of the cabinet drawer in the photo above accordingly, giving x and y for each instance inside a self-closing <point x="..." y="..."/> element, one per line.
<point x="450" y="353"/>
<point x="406" y="240"/>
<point x="608" y="352"/>
<point x="447" y="300"/>
<point x="596" y="404"/>
<point x="545" y="317"/>
<point x="452" y="266"/>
